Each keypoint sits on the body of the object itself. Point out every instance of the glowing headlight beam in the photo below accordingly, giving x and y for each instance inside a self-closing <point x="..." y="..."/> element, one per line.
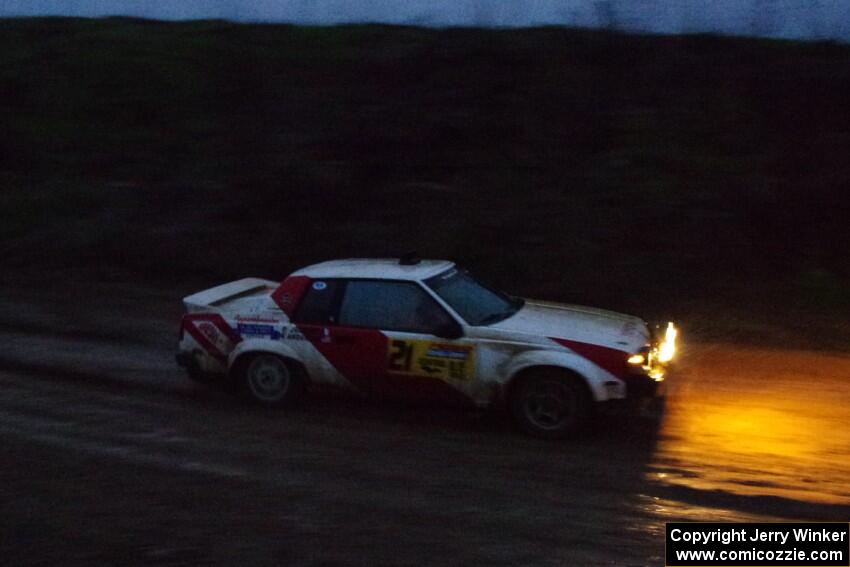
<point x="636" y="359"/>
<point x="667" y="348"/>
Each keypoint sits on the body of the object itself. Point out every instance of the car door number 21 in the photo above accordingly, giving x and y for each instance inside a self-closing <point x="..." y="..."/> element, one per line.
<point x="433" y="359"/>
<point x="401" y="356"/>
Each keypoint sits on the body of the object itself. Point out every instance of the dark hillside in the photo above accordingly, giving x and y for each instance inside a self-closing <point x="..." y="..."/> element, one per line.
<point x="701" y="177"/>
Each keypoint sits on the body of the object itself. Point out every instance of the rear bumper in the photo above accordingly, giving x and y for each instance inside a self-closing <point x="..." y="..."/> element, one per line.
<point x="185" y="359"/>
<point x="193" y="368"/>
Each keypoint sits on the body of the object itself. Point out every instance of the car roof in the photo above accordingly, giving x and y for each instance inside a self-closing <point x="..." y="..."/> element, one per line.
<point x="375" y="268"/>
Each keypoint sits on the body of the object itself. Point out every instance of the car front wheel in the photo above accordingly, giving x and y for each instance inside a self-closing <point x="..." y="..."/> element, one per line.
<point x="551" y="404"/>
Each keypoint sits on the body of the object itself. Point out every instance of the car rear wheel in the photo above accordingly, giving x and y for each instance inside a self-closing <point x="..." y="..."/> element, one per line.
<point x="271" y="380"/>
<point x="551" y="404"/>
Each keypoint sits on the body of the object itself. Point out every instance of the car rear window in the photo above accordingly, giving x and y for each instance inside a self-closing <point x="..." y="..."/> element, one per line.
<point x="317" y="305"/>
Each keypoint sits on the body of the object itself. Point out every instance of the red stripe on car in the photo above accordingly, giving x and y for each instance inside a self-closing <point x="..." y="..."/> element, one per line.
<point x="362" y="357"/>
<point x="358" y="354"/>
<point x="202" y="326"/>
<point x="288" y="294"/>
<point x="610" y="359"/>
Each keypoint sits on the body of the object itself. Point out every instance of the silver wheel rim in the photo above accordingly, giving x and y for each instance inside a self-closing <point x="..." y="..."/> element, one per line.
<point x="550" y="405"/>
<point x="268" y="378"/>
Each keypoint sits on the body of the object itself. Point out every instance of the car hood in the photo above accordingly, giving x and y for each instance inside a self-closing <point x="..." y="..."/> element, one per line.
<point x="578" y="323"/>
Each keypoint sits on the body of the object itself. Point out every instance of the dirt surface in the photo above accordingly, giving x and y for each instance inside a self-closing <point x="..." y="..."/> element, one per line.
<point x="110" y="455"/>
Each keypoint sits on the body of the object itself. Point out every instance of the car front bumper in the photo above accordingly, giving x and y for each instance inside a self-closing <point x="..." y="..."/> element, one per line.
<point x="644" y="397"/>
<point x="641" y="386"/>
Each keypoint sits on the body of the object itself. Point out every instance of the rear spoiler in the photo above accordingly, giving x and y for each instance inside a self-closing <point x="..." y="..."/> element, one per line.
<point x="219" y="295"/>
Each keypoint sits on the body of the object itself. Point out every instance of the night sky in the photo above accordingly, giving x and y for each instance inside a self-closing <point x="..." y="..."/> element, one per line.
<point x="813" y="19"/>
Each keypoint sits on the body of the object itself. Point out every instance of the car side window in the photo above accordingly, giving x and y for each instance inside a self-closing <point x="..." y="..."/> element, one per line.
<point x="391" y="306"/>
<point x="319" y="302"/>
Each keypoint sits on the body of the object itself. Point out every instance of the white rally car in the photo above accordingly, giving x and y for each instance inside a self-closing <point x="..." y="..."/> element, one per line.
<point x="421" y="330"/>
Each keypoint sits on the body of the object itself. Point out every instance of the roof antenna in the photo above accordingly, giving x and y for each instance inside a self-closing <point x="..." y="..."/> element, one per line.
<point x="409" y="259"/>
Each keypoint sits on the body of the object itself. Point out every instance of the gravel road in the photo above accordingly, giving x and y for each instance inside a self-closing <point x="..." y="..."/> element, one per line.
<point x="110" y="455"/>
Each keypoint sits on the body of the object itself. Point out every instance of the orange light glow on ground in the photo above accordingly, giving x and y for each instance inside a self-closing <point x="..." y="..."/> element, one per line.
<point x="758" y="423"/>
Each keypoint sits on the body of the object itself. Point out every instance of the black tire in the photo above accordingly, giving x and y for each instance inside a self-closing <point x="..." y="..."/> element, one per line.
<point x="270" y="380"/>
<point x="194" y="372"/>
<point x="550" y="403"/>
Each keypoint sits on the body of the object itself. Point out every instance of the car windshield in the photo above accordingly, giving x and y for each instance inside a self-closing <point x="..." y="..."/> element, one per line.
<point x="472" y="300"/>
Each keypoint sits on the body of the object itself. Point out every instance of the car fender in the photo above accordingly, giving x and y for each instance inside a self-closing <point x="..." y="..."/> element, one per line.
<point x="263" y="345"/>
<point x="592" y="375"/>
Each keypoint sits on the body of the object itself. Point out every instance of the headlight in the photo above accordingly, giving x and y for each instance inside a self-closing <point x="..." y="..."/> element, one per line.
<point x="637" y="359"/>
<point x="667" y="348"/>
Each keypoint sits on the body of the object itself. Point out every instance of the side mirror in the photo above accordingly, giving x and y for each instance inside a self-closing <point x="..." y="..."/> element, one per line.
<point x="449" y="330"/>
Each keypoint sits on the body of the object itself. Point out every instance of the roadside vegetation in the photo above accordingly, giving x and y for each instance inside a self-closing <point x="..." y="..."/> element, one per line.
<point x="695" y="177"/>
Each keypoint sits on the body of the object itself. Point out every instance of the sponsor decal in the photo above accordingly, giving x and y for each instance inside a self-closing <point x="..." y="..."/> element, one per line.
<point x="433" y="359"/>
<point x="212" y="333"/>
<point x="319" y="286"/>
<point x="293" y="334"/>
<point x="209" y="331"/>
<point x="252" y="319"/>
<point x="255" y="330"/>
